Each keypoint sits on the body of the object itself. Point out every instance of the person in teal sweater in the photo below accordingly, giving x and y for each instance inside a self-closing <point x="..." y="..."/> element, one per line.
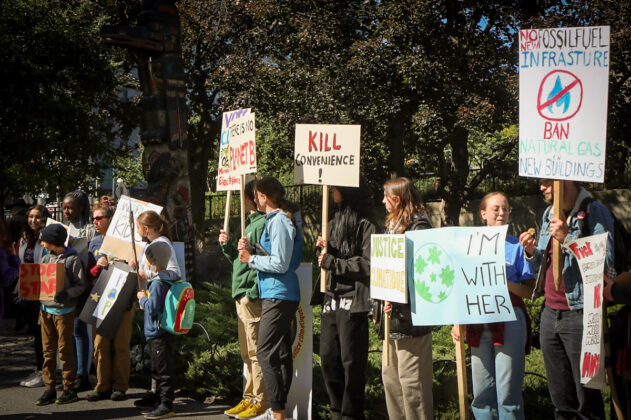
<point x="246" y="295"/>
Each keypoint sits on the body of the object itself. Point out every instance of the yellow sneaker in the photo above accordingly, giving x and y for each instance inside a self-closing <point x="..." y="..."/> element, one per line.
<point x="243" y="405"/>
<point x="254" y="410"/>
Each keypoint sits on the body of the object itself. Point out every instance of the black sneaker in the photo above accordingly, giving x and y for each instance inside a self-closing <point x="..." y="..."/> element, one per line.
<point x="67" y="397"/>
<point x="148" y="400"/>
<point x="160" y="412"/>
<point x="82" y="383"/>
<point x="48" y="397"/>
<point x="118" y="396"/>
<point x="97" y="395"/>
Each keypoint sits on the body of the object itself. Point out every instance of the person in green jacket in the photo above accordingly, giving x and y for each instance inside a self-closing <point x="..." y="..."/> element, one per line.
<point x="246" y="295"/>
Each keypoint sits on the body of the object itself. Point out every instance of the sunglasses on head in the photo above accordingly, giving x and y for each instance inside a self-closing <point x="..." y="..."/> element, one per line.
<point x="99" y="218"/>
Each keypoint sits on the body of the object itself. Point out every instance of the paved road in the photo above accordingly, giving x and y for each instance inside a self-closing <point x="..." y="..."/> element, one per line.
<point x="16" y="402"/>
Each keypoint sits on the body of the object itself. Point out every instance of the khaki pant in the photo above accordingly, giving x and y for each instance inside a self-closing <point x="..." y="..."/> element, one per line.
<point x="407" y="381"/>
<point x="249" y="317"/>
<point x="112" y="370"/>
<point x="57" y="334"/>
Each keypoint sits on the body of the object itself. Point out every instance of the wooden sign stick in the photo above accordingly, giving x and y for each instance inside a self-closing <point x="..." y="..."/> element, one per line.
<point x="557" y="256"/>
<point x="325" y="232"/>
<point x="132" y="227"/>
<point x="461" y="369"/>
<point x="226" y="216"/>
<point x="386" y="337"/>
<point x="242" y="206"/>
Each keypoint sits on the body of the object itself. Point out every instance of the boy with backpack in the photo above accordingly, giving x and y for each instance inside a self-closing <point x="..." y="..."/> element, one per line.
<point x="57" y="317"/>
<point x="151" y="302"/>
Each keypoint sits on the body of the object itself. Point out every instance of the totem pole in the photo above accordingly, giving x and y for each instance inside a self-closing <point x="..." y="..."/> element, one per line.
<point x="156" y="41"/>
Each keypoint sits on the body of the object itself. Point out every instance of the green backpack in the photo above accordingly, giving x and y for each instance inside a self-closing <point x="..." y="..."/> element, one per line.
<point x="179" y="308"/>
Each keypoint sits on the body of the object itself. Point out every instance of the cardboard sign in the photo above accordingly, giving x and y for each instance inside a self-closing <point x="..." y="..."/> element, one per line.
<point x="117" y="242"/>
<point x="590" y="252"/>
<point x="327" y="154"/>
<point x="457" y="275"/>
<point x="237" y="148"/>
<point x="41" y="281"/>
<point x="563" y="82"/>
<point x="387" y="268"/>
<point x="109" y="299"/>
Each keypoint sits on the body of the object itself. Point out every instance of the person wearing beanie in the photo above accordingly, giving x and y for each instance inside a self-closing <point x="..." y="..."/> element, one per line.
<point x="159" y="404"/>
<point x="57" y="317"/>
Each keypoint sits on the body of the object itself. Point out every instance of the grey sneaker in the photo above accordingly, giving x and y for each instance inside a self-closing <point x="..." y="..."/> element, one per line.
<point x="35" y="382"/>
<point x="29" y="377"/>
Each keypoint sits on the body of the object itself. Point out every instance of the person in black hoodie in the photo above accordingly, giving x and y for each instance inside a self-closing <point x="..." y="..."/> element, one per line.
<point x="407" y="379"/>
<point x="346" y="303"/>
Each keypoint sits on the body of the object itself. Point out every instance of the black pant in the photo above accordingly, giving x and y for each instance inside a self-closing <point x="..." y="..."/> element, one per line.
<point x="561" y="333"/>
<point x="162" y="368"/>
<point x="344" y="355"/>
<point x="274" y="349"/>
<point x="32" y="314"/>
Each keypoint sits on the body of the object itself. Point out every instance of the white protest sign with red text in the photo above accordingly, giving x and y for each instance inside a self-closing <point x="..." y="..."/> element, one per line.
<point x="563" y="82"/>
<point x="590" y="252"/>
<point x="327" y="154"/>
<point x="40" y="281"/>
<point x="237" y="149"/>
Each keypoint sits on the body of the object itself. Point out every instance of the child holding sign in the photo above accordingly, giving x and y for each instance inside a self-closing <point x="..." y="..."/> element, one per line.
<point x="279" y="291"/>
<point x="57" y="317"/>
<point x="344" y="336"/>
<point x="498" y="351"/>
<point x="407" y="378"/>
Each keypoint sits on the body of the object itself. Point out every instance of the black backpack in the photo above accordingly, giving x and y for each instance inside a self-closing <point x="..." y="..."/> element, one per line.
<point x="622" y="237"/>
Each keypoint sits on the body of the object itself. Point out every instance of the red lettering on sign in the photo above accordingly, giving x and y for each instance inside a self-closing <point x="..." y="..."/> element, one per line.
<point x="252" y="153"/>
<point x="335" y="146"/>
<point x="557" y="131"/>
<point x="598" y="296"/>
<point x="591" y="363"/>
<point x="312" y="143"/>
<point x="23" y="270"/>
<point x="49" y="287"/>
<point x="52" y="269"/>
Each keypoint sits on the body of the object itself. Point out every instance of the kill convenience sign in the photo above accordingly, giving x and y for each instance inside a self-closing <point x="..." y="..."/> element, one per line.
<point x="563" y="80"/>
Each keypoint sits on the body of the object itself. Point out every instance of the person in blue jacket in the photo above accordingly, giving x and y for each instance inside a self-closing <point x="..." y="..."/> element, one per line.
<point x="160" y="403"/>
<point x="276" y="261"/>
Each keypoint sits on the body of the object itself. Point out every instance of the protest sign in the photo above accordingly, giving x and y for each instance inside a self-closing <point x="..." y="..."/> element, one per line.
<point x="300" y="395"/>
<point x="40" y="281"/>
<point x="327" y="154"/>
<point x="457" y="275"/>
<point x="563" y="81"/>
<point x="117" y="241"/>
<point x="387" y="268"/>
<point x="237" y="148"/>
<point x="109" y="299"/>
<point x="590" y="252"/>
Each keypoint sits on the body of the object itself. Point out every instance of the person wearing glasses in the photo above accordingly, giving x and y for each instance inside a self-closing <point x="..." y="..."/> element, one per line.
<point x="112" y="361"/>
<point x="498" y="350"/>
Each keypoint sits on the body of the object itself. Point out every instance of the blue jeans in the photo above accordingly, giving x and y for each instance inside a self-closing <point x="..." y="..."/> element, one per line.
<point x="498" y="372"/>
<point x="561" y="334"/>
<point x="82" y="345"/>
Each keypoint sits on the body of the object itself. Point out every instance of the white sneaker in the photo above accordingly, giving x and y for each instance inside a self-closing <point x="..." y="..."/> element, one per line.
<point x="267" y="415"/>
<point x="29" y="377"/>
<point x="36" y="382"/>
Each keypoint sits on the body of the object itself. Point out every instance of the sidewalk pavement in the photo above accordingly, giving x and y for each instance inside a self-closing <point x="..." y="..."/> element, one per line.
<point x="16" y="402"/>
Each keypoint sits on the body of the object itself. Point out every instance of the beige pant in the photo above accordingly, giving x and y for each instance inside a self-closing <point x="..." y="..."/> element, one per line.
<point x="407" y="381"/>
<point x="112" y="370"/>
<point x="57" y="334"/>
<point x="249" y="318"/>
